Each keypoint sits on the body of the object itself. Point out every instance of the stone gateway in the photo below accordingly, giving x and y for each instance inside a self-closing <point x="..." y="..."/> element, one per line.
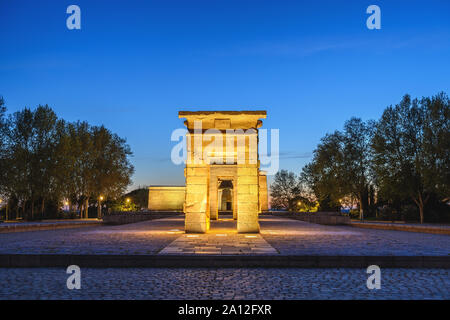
<point x="222" y="170"/>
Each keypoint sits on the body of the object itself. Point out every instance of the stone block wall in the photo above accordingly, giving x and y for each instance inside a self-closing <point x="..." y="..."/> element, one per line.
<point x="197" y="198"/>
<point x="263" y="194"/>
<point x="166" y="198"/>
<point x="117" y="218"/>
<point x="247" y="198"/>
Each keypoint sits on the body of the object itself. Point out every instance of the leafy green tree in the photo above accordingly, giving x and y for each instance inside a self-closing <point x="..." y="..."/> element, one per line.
<point x="356" y="173"/>
<point x="314" y="183"/>
<point x="3" y="148"/>
<point x="341" y="166"/>
<point x="436" y="140"/>
<point x="42" y="151"/>
<point x="284" y="190"/>
<point x="324" y="174"/>
<point x="43" y="160"/>
<point x="19" y="175"/>
<point x="111" y="167"/>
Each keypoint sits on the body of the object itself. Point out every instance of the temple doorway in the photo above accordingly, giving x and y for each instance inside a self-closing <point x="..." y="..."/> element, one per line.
<point x="225" y="199"/>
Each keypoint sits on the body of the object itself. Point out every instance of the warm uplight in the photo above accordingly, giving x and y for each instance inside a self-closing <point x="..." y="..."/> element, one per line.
<point x="128" y="200"/>
<point x="101" y="198"/>
<point x="1" y="200"/>
<point x="66" y="203"/>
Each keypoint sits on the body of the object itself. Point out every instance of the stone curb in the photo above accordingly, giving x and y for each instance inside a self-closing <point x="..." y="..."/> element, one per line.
<point x="47" y="226"/>
<point x="223" y="261"/>
<point x="399" y="227"/>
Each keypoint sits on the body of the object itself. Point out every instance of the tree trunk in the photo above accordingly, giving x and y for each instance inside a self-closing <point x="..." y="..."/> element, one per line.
<point x="420" y="202"/>
<point x="6" y="212"/>
<point x="42" y="207"/>
<point x="99" y="210"/>
<point x="422" y="205"/>
<point x="86" y="208"/>
<point x="32" y="209"/>
<point x="361" y="209"/>
<point x="421" y="213"/>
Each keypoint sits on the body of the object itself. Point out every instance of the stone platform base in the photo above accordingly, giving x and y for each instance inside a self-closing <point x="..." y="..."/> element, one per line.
<point x="118" y="218"/>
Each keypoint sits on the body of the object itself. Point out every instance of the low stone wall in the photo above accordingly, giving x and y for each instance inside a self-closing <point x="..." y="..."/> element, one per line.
<point x="116" y="218"/>
<point x="326" y="218"/>
<point x="47" y="225"/>
<point x="437" y="229"/>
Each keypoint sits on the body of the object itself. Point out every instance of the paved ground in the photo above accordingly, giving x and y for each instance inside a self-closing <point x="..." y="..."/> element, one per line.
<point x="294" y="237"/>
<point x="223" y="239"/>
<point x="285" y="236"/>
<point x="147" y="237"/>
<point x="224" y="284"/>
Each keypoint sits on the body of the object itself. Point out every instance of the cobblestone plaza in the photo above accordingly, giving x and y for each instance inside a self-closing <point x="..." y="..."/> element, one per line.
<point x="229" y="283"/>
<point x="278" y="237"/>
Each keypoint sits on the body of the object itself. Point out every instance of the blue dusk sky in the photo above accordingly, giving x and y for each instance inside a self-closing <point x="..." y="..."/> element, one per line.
<point x="135" y="64"/>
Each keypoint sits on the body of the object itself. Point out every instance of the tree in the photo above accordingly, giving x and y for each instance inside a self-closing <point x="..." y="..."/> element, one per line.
<point x="315" y="183"/>
<point x="30" y="164"/>
<point x="111" y="168"/>
<point x="357" y="159"/>
<point x="411" y="150"/>
<point x="436" y="140"/>
<point x="42" y="151"/>
<point x="44" y="159"/>
<point x="323" y="175"/>
<point x="3" y="147"/>
<point x="340" y="166"/>
<point x="284" y="190"/>
<point x="19" y="175"/>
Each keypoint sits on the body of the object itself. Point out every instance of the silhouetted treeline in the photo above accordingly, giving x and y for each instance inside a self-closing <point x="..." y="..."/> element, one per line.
<point x="47" y="162"/>
<point x="395" y="168"/>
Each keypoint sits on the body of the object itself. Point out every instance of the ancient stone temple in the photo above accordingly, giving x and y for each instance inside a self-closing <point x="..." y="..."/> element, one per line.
<point x="222" y="169"/>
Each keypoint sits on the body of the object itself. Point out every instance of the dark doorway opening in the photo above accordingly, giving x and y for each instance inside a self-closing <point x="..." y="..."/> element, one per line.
<point x="225" y="197"/>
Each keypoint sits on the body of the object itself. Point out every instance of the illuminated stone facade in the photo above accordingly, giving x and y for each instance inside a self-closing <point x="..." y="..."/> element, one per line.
<point x="222" y="171"/>
<point x="166" y="198"/>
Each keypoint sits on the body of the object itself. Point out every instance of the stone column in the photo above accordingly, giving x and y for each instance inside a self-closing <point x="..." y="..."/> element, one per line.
<point x="263" y="200"/>
<point x="235" y="199"/>
<point x="213" y="204"/>
<point x="219" y="200"/>
<point x="197" y="198"/>
<point x="247" y="198"/>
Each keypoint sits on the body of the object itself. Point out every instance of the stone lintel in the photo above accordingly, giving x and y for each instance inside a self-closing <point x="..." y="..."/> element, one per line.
<point x="222" y="120"/>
